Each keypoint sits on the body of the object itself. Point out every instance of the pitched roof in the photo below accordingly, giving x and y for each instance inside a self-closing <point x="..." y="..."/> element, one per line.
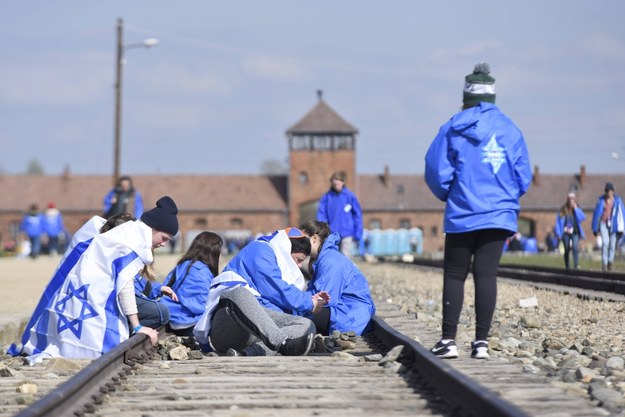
<point x="322" y="119"/>
<point x="253" y="193"/>
<point x="191" y="192"/>
<point x="410" y="192"/>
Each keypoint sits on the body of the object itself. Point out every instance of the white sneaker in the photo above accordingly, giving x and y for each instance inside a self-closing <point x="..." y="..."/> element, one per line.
<point x="479" y="349"/>
<point x="445" y="350"/>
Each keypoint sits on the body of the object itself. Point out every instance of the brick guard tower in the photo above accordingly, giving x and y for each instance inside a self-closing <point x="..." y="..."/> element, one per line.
<point x="321" y="143"/>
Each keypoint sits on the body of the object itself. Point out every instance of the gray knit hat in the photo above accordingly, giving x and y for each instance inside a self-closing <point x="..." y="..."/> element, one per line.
<point x="479" y="86"/>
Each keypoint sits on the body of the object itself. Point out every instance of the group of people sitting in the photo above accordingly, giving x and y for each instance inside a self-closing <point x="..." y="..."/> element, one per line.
<point x="104" y="290"/>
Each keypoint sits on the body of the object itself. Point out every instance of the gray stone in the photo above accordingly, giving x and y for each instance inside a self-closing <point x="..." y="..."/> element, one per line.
<point x="178" y="353"/>
<point x="616" y="362"/>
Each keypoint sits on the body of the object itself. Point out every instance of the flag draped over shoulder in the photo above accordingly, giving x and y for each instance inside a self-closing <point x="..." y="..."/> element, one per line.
<point x="291" y="273"/>
<point x="223" y="282"/>
<point x="79" y="315"/>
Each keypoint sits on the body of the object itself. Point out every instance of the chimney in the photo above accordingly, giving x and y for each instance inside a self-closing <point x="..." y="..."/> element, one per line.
<point x="536" y="176"/>
<point x="386" y="177"/>
<point x="582" y="176"/>
<point x="66" y="173"/>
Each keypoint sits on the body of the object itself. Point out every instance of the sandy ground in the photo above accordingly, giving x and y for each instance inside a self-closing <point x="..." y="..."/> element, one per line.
<point x="24" y="280"/>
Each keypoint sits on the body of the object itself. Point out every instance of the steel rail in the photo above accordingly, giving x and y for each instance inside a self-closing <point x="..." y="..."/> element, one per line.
<point x="83" y="391"/>
<point x="611" y="282"/>
<point x="454" y="387"/>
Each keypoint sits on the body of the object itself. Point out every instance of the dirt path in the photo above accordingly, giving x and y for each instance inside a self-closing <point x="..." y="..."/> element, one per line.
<point x="23" y="281"/>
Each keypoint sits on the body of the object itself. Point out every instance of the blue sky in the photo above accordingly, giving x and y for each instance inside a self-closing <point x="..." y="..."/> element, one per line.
<point x="229" y="78"/>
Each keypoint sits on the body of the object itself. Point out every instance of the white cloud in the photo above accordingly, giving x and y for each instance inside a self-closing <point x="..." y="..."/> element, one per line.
<point x="281" y="69"/>
<point x="66" y="79"/>
<point x="182" y="81"/>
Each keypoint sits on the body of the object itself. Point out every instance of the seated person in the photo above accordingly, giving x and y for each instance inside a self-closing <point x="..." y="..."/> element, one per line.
<point x="350" y="307"/>
<point x="86" y="308"/>
<point x="249" y="305"/>
<point x="152" y="310"/>
<point x="190" y="280"/>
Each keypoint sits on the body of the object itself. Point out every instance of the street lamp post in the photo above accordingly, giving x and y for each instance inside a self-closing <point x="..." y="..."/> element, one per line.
<point x="119" y="61"/>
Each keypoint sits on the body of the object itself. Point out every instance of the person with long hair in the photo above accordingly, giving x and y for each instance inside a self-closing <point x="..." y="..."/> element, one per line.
<point x="350" y="307"/>
<point x="608" y="220"/>
<point x="190" y="280"/>
<point x="250" y="304"/>
<point x="89" y="305"/>
<point x="569" y="229"/>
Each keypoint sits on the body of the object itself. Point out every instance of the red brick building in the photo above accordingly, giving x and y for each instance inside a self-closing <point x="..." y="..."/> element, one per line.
<point x="321" y="143"/>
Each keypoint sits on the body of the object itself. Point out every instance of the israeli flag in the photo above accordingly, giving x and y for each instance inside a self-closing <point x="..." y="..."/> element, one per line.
<point x="222" y="282"/>
<point x="79" y="315"/>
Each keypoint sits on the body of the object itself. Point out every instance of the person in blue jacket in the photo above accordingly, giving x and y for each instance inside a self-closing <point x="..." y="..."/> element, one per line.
<point x="32" y="226"/>
<point x="350" y="307"/>
<point x="123" y="198"/>
<point x="340" y="208"/>
<point x="54" y="228"/>
<point x="251" y="304"/>
<point x="479" y="166"/>
<point x="569" y="229"/>
<point x="608" y="220"/>
<point x="190" y="280"/>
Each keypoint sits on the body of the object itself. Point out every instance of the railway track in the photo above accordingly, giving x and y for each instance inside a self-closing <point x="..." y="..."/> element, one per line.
<point x="606" y="282"/>
<point x="133" y="380"/>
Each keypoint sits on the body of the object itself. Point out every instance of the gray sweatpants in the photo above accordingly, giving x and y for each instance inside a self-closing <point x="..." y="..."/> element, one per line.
<point x="240" y="322"/>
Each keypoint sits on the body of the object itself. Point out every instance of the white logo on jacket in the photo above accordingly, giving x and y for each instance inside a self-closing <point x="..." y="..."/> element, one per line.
<point x="493" y="154"/>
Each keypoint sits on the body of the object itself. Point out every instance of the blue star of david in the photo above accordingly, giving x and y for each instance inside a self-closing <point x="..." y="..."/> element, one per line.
<point x="493" y="154"/>
<point x="86" y="310"/>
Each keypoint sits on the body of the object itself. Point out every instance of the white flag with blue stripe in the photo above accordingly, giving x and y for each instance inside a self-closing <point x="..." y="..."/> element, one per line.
<point x="79" y="315"/>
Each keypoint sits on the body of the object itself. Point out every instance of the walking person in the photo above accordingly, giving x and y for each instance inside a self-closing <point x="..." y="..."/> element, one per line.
<point x="54" y="228"/>
<point x="32" y="226"/>
<point x="569" y="229"/>
<point x="478" y="164"/>
<point x="608" y="220"/>
<point x="339" y="207"/>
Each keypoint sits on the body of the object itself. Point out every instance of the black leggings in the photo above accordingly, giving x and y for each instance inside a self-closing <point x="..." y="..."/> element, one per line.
<point x="485" y="247"/>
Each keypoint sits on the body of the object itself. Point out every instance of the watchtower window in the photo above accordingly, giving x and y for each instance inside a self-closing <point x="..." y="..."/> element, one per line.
<point x="321" y="142"/>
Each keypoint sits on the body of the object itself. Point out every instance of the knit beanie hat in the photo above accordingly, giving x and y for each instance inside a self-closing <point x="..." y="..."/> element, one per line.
<point x="479" y="86"/>
<point x="609" y="187"/>
<point x="163" y="216"/>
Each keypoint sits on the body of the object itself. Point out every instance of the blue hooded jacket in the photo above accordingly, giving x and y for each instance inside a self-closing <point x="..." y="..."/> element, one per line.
<point x="617" y="217"/>
<point x="192" y="291"/>
<point x="479" y="164"/>
<point x="342" y="212"/>
<point x="32" y="224"/>
<point x="579" y="218"/>
<point x="351" y="306"/>
<point x="258" y="265"/>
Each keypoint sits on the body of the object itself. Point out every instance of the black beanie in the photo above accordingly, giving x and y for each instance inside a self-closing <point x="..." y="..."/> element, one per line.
<point x="163" y="216"/>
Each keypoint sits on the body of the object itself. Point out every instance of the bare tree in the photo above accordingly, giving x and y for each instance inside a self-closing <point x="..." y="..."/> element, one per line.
<point x="34" y="167"/>
<point x="273" y="167"/>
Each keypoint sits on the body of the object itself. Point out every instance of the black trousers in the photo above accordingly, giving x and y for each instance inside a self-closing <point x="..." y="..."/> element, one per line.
<point x="484" y="247"/>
